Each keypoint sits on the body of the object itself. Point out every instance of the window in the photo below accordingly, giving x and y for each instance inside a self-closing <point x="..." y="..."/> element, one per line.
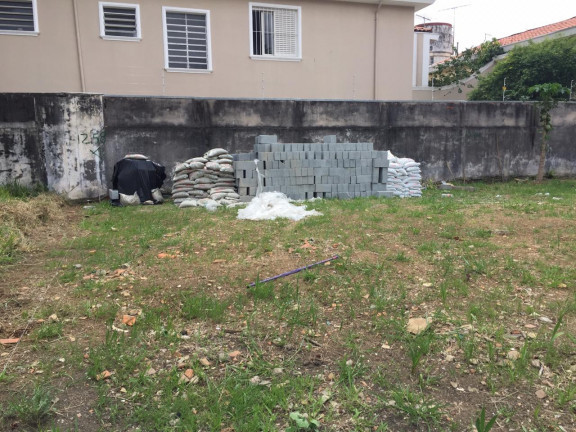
<point x="18" y="17"/>
<point x="275" y="32"/>
<point x="187" y="40"/>
<point x="119" y="21"/>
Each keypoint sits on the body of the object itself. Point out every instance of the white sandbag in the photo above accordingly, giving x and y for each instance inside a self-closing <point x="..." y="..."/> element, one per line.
<point x="215" y="152"/>
<point x="196" y="174"/>
<point x="205" y="180"/>
<point x="197" y="159"/>
<point x="214" y="166"/>
<point x="180" y="195"/>
<point x="196" y="165"/>
<point x="157" y="195"/>
<point x="203" y="186"/>
<point x="136" y="156"/>
<point x="183" y="182"/>
<point x="181" y="167"/>
<point x="188" y="203"/>
<point x="129" y="200"/>
<point x="180" y="176"/>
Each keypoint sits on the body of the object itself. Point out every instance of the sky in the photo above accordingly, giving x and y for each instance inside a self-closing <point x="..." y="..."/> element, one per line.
<point x="476" y="21"/>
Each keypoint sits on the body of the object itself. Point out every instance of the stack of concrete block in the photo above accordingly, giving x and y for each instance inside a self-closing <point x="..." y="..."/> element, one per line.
<point x="313" y="170"/>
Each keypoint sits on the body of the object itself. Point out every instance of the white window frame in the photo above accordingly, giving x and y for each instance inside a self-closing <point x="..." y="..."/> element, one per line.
<point x="205" y="12"/>
<point x="136" y="7"/>
<point x="298" y="56"/>
<point x="36" y="30"/>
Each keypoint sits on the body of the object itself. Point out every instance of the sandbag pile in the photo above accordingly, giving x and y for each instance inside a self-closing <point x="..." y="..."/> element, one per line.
<point x="205" y="181"/>
<point x="404" y="177"/>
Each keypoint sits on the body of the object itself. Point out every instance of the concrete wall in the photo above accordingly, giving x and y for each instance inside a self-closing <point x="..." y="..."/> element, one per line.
<point x="452" y="139"/>
<point x="53" y="140"/>
<point x="58" y="139"/>
<point x="350" y="50"/>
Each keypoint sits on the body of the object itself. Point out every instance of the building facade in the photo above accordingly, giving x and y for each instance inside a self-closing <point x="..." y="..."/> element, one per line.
<point x="309" y="49"/>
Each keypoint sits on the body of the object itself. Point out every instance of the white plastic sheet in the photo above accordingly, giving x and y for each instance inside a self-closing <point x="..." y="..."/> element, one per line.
<point x="272" y="205"/>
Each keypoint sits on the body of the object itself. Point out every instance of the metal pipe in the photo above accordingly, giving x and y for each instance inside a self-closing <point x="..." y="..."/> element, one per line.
<point x="376" y="47"/>
<point x="294" y="271"/>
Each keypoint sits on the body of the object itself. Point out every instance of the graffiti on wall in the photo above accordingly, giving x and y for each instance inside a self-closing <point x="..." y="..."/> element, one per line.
<point x="95" y="137"/>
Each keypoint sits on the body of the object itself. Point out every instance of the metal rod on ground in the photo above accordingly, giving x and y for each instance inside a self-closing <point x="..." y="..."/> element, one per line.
<point x="294" y="271"/>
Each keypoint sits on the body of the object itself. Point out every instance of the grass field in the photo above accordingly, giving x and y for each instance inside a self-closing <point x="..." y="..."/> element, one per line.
<point x="141" y="318"/>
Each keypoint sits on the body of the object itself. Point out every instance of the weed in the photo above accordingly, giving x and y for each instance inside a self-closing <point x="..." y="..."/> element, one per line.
<point x="420" y="408"/>
<point x="35" y="408"/>
<point x="262" y="291"/>
<point x="17" y="190"/>
<point x="481" y="424"/>
<point x="302" y="423"/>
<point x="203" y="307"/>
<point x="401" y="257"/>
<point x="10" y="239"/>
<point x="418" y="347"/>
<point x="49" y="330"/>
<point x="566" y="396"/>
<point x="350" y="370"/>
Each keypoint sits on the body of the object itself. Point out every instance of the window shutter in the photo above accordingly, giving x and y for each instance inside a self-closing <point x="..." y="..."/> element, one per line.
<point x="120" y="21"/>
<point x="17" y="16"/>
<point x="187" y="40"/>
<point x="286" y="32"/>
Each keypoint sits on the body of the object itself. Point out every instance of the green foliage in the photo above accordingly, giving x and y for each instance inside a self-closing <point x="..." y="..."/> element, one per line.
<point x="547" y="96"/>
<point x="32" y="409"/>
<point x="10" y="239"/>
<point x="551" y="61"/>
<point x="465" y="65"/>
<point x="481" y="425"/>
<point x="16" y="190"/>
<point x="302" y="422"/>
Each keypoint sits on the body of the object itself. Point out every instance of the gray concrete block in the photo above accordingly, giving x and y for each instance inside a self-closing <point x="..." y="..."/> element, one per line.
<point x="330" y="139"/>
<point x="295" y="163"/>
<point x="378" y="187"/>
<point x="268" y="139"/>
<point x="244" y="165"/>
<point x="365" y="155"/>
<point x="380" y="163"/>
<point x="247" y="182"/>
<point x="323" y="188"/>
<point x="261" y="147"/>
<point x="365" y="163"/>
<point x="265" y="156"/>
<point x="278" y="147"/>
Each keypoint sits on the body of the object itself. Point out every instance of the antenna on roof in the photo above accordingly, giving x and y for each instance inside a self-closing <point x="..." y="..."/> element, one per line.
<point x="453" y="9"/>
<point x="423" y="18"/>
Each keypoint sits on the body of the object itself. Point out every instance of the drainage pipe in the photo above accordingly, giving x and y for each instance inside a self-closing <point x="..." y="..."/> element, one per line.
<point x="376" y="47"/>
<point x="79" y="47"/>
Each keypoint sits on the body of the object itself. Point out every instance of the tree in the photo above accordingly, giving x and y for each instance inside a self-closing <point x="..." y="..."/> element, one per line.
<point x="551" y="61"/>
<point x="467" y="64"/>
<point x="547" y="97"/>
<point x="539" y="72"/>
